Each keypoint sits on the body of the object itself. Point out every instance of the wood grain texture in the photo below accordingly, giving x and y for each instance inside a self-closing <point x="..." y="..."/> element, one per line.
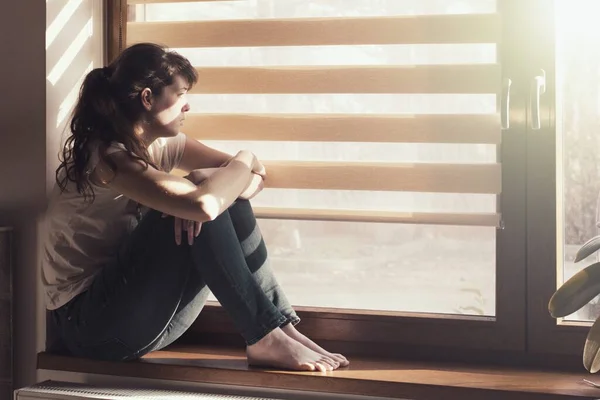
<point x="367" y="377"/>
<point x="116" y="13"/>
<point x="476" y="129"/>
<point x="364" y="328"/>
<point x="421" y="29"/>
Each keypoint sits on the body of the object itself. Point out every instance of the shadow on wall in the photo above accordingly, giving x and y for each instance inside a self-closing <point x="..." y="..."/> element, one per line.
<point x="38" y="97"/>
<point x="73" y="48"/>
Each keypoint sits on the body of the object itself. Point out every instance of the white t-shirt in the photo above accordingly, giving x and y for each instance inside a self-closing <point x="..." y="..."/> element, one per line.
<point x="80" y="237"/>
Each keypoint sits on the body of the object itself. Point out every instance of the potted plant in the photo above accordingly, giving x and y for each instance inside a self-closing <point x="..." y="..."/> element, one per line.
<point x="577" y="292"/>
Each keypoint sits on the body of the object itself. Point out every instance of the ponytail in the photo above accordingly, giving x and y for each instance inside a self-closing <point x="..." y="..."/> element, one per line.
<point x="95" y="113"/>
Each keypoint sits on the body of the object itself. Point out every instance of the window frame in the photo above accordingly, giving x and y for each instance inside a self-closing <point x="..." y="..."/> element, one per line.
<point x="546" y="334"/>
<point x="524" y="283"/>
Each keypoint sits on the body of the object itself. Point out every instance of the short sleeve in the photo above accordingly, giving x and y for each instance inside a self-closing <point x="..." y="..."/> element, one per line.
<point x="167" y="152"/>
<point x="95" y="154"/>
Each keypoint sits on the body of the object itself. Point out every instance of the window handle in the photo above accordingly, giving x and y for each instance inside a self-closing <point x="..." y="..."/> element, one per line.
<point x="538" y="88"/>
<point x="505" y="104"/>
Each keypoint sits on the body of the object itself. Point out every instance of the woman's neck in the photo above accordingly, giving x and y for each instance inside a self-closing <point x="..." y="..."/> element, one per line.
<point x="146" y="135"/>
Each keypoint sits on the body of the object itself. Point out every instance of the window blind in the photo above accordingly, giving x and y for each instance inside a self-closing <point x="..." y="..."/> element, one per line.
<point x="373" y="176"/>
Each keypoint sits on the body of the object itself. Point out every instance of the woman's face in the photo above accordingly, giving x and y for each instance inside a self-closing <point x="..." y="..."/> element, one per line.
<point x="167" y="110"/>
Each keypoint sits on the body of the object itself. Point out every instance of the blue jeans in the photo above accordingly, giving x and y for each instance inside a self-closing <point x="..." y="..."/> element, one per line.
<point x="154" y="290"/>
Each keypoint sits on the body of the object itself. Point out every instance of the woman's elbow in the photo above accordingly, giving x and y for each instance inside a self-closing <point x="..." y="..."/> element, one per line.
<point x="210" y="207"/>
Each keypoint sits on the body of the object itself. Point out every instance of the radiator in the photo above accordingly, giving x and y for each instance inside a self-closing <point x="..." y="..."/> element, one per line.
<point x="54" y="390"/>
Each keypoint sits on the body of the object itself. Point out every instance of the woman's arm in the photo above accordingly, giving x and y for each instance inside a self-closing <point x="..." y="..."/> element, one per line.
<point x="197" y="156"/>
<point x="255" y="186"/>
<point x="178" y="196"/>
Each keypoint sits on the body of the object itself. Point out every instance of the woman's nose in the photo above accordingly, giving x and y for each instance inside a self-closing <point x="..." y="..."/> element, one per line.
<point x="186" y="108"/>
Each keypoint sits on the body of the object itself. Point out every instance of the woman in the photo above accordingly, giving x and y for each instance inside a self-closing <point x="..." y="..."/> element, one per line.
<point x="120" y="279"/>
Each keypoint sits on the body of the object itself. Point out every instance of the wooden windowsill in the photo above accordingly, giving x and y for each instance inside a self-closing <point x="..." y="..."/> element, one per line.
<point x="395" y="379"/>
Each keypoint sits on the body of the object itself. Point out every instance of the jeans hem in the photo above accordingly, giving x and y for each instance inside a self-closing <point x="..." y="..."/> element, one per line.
<point x="268" y="329"/>
<point x="294" y="320"/>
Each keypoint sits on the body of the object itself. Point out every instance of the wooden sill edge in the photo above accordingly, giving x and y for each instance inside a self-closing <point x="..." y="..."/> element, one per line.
<point x="393" y="379"/>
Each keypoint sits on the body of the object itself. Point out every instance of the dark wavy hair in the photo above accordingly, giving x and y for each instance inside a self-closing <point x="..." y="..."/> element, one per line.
<point x="109" y="107"/>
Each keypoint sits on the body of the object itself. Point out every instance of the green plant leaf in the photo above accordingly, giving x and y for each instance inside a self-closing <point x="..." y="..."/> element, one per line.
<point x="576" y="292"/>
<point x="591" y="356"/>
<point x="589" y="247"/>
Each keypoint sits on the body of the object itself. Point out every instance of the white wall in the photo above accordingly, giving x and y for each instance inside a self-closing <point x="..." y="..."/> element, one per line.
<point x="74" y="46"/>
<point x="23" y="160"/>
<point x="29" y="138"/>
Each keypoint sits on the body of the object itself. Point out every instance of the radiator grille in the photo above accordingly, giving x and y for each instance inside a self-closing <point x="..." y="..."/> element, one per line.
<point x="72" y="391"/>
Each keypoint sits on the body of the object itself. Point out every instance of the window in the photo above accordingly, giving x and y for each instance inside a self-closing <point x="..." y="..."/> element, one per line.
<point x="415" y="185"/>
<point x="562" y="169"/>
<point x="577" y="116"/>
<point x="338" y="255"/>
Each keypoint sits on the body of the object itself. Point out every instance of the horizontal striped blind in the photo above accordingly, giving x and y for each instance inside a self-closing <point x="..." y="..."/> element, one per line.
<point x="335" y="117"/>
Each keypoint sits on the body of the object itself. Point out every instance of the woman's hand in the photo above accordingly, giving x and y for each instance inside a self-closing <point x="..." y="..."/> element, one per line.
<point x="255" y="165"/>
<point x="192" y="228"/>
<point x="259" y="169"/>
<point x="255" y="186"/>
<point x="199" y="175"/>
<point x="259" y="173"/>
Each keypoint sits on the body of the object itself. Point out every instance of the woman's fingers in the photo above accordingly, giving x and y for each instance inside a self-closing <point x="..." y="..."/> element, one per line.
<point x="260" y="170"/>
<point x="191" y="227"/>
<point x="190" y="231"/>
<point x="178" y="227"/>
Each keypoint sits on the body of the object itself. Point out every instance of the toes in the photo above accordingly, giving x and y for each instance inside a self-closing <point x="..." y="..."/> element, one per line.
<point x="307" y="367"/>
<point x="331" y="362"/>
<point x="341" y="359"/>
<point x="322" y="367"/>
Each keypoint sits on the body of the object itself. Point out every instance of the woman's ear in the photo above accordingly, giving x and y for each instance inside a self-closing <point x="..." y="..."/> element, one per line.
<point x="146" y="98"/>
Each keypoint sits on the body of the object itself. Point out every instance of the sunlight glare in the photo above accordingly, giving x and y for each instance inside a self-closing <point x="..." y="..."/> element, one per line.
<point x="578" y="16"/>
<point x="70" y="54"/>
<point x="61" y="20"/>
<point x="69" y="101"/>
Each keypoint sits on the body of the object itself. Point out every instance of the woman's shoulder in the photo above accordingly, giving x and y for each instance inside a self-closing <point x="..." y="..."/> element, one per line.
<point x="112" y="147"/>
<point x="167" y="152"/>
<point x="97" y="148"/>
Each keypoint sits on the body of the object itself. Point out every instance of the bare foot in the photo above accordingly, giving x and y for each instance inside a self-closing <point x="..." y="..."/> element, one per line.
<point x="292" y="332"/>
<point x="279" y="350"/>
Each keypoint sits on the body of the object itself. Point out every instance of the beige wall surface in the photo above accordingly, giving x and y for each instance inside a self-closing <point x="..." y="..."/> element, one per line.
<point x="30" y="134"/>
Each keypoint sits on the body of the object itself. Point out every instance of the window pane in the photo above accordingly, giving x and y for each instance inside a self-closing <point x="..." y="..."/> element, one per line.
<point x="256" y="9"/>
<point x="366" y="152"/>
<point x="371" y="200"/>
<point x="369" y="266"/>
<point x="578" y="119"/>
<point x="344" y="103"/>
<point x="376" y="266"/>
<point x="415" y="54"/>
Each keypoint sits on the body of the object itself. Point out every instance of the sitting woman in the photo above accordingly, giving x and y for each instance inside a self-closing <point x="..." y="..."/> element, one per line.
<point x="131" y="250"/>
